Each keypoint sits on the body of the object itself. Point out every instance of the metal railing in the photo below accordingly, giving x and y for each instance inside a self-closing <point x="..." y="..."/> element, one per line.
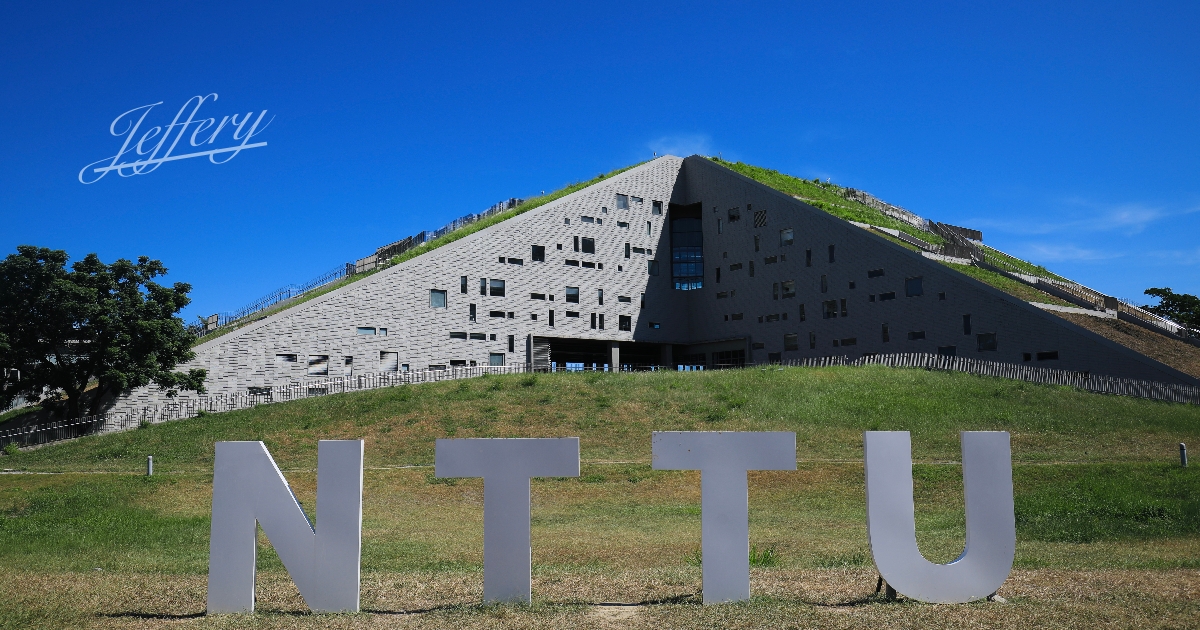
<point x="56" y="431"/>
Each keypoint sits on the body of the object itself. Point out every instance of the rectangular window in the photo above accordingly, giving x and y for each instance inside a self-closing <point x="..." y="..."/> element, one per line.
<point x="572" y="313"/>
<point x="516" y="261"/>
<point x="462" y="284"/>
<point x="886" y="336"/>
<point x="916" y="335"/>
<point x="824" y="284"/>
<point x="366" y="330"/>
<point x="947" y="351"/>
<point x="789" y="288"/>
<point x="389" y="361"/>
<point x="844" y="313"/>
<point x="576" y="242"/>
<point x="802" y="317"/>
<point x="347" y="366"/>
<point x="653" y="267"/>
<point x="791" y="341"/>
<point x="285" y="359"/>
<point x="637" y="200"/>
<point x="495" y="313"/>
<point x="719" y="230"/>
<point x="770" y="260"/>
<point x="786" y="237"/>
<point x="627" y="250"/>
<point x="831" y="257"/>
<point x="498" y="288"/>
<point x="512" y="343"/>
<point x="890" y="295"/>
<point x="624" y="322"/>
<point x="622" y="202"/>
<point x="735" y="266"/>
<point x="483" y="286"/>
<point x="622" y="224"/>
<point x="966" y="324"/>
<point x="479" y="336"/>
<point x="649" y="229"/>
<point x="538" y="254"/>
<point x="812" y="341"/>
<point x="912" y="287"/>
<point x="871" y="298"/>
<point x="642" y="301"/>
<point x="850" y="341"/>
<point x="587" y="219"/>
<point x="573" y="295"/>
<point x="722" y="295"/>
<point x="551" y="318"/>
<point x="624" y="298"/>
<point x="1048" y="356"/>
<point x="808" y="258"/>
<point x="588" y="264"/>
<point x="318" y="365"/>
<point x="736" y="317"/>
<point x="656" y="207"/>
<point x="655" y="325"/>
<point x="601" y="321"/>
<point x="496" y="358"/>
<point x="600" y="297"/>
<point x="571" y="263"/>
<point x="986" y="342"/>
<point x="751" y="268"/>
<point x="875" y="273"/>
<point x="437" y="298"/>
<point x="589" y="245"/>
<point x="757" y="242"/>
<point x="472" y="316"/>
<point x="735" y="215"/>
<point x="775" y="291"/>
<point x="829" y="309"/>
<point x="501" y="260"/>
<point x="593" y="321"/>
<point x="537" y="296"/>
<point x="382" y="332"/>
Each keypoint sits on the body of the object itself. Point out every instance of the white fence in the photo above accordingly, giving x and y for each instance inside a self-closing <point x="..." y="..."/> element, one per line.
<point x="191" y="407"/>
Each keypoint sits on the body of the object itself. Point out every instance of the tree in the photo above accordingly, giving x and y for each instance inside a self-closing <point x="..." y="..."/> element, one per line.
<point x="1180" y="307"/>
<point x="104" y="329"/>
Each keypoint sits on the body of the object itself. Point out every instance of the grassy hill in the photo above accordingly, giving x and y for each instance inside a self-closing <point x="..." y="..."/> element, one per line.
<point x="1100" y="500"/>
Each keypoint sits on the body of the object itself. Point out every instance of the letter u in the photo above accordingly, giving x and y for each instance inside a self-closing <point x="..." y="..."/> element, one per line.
<point x="991" y="541"/>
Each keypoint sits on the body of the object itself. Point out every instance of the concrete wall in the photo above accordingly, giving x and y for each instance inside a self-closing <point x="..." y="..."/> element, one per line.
<point x="398" y="298"/>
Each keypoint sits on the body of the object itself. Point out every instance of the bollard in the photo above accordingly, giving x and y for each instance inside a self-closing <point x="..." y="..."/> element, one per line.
<point x="1183" y="454"/>
<point x="149" y="465"/>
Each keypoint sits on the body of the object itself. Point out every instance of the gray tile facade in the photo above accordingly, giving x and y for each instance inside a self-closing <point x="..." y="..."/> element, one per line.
<point x="398" y="299"/>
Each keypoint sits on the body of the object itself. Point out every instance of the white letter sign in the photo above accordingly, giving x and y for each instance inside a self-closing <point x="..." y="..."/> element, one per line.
<point x="248" y="488"/>
<point x="723" y="459"/>
<point x="506" y="465"/>
<point x="991" y="526"/>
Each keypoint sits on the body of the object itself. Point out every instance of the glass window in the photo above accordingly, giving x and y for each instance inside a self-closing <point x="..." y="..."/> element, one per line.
<point x="538" y="254"/>
<point x="786" y="237"/>
<point x="831" y="257"/>
<point x="366" y="330"/>
<point x="573" y="294"/>
<point x="791" y="341"/>
<point x="483" y="286"/>
<point x="986" y="341"/>
<point x="600" y="296"/>
<point x="497" y="288"/>
<point x="589" y="245"/>
<point x="657" y="208"/>
<point x="496" y="358"/>
<point x="624" y="322"/>
<point x="437" y="298"/>
<point x="829" y="309"/>
<point x="622" y="202"/>
<point x="789" y="288"/>
<point x="653" y="267"/>
<point x="462" y="284"/>
<point x="912" y="286"/>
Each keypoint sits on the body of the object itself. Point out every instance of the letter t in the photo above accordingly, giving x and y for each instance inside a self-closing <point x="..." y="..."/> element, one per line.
<point x="723" y="459"/>
<point x="506" y="465"/>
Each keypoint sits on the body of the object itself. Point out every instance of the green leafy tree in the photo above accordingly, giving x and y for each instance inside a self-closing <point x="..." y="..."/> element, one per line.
<point x="1180" y="307"/>
<point x="99" y="328"/>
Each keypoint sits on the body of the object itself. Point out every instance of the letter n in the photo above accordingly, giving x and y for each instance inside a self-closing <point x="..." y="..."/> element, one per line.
<point x="323" y="562"/>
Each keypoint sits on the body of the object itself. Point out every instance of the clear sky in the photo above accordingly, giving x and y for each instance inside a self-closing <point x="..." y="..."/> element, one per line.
<point x="1068" y="132"/>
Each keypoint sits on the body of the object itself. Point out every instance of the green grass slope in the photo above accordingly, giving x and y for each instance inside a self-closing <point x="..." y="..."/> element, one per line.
<point x="1097" y="493"/>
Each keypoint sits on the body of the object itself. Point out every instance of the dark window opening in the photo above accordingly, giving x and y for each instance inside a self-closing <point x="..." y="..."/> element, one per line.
<point x="756" y="242"/>
<point x="886" y="337"/>
<point x="812" y="341"/>
<point x="501" y="260"/>
<point x="824" y="284"/>
<point x="1025" y="356"/>
<point x="601" y="321"/>
<point x="593" y="321"/>
<point x="770" y="260"/>
<point x="573" y="294"/>
<point x="589" y="245"/>
<point x="624" y="322"/>
<point x="829" y="309"/>
<point x="966" y="324"/>
<point x="718" y="275"/>
<point x="483" y="286"/>
<point x="947" y="351"/>
<point x="516" y="261"/>
<point x="538" y="254"/>
<point x="537" y="296"/>
<point x="458" y="335"/>
<point x="751" y="268"/>
<point x="831" y="256"/>
<point x="802" y="317"/>
<point x="789" y="288"/>
<point x="462" y="284"/>
<point x="942" y="295"/>
<point x="496" y="314"/>
<point x="472" y="315"/>
<point x="437" y="299"/>
<point x="890" y="295"/>
<point x="874" y="273"/>
<point x="912" y="287"/>
<point x="687" y="247"/>
<point x="497" y="288"/>
<point x="775" y="291"/>
<point x="1048" y="356"/>
<point x="571" y="263"/>
<point x="774" y="357"/>
<point x="652" y="268"/>
<point x="916" y="334"/>
<point x="656" y="207"/>
<point x="844" y="313"/>
<point x="986" y="342"/>
<point x="808" y="258"/>
<point x="627" y="250"/>
<point x="479" y="336"/>
<point x="729" y="359"/>
<point x="572" y="313"/>
<point x="576" y="243"/>
<point x="735" y="215"/>
<point x="736" y="317"/>
<point x="589" y="264"/>
<point x="551" y="318"/>
<point x="851" y="284"/>
<point x="655" y="325"/>
<point x="871" y="298"/>
<point x="791" y="341"/>
<point x="850" y="341"/>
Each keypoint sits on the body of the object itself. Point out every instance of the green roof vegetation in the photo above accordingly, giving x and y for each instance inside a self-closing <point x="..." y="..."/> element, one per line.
<point x="1008" y="285"/>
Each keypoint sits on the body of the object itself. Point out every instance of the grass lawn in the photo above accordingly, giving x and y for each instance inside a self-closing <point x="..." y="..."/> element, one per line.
<point x="1108" y="524"/>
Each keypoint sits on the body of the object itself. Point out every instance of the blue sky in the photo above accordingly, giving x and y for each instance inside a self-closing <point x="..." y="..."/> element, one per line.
<point x="1068" y="132"/>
